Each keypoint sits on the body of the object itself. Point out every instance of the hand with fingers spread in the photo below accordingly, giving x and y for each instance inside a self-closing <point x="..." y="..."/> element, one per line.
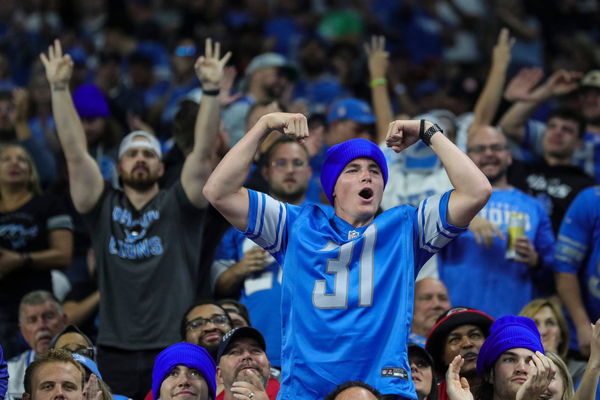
<point x="485" y="231"/>
<point x="541" y="373"/>
<point x="210" y="66"/>
<point x="249" y="386"/>
<point x="526" y="252"/>
<point x="91" y="390"/>
<point x="403" y="133"/>
<point x="58" y="66"/>
<point x="457" y="387"/>
<point x="287" y="124"/>
<point x="520" y="87"/>
<point x="562" y="82"/>
<point x="378" y="57"/>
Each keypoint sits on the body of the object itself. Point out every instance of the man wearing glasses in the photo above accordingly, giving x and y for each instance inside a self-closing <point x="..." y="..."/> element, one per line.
<point x="40" y="318"/>
<point x="204" y="324"/>
<point x="244" y="270"/>
<point x="493" y="272"/>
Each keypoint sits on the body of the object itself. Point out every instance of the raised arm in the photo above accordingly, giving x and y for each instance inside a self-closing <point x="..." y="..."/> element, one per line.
<point x="589" y="382"/>
<point x="569" y="290"/>
<point x="224" y="187"/>
<point x="521" y="89"/>
<point x="472" y="188"/>
<point x="198" y="164"/>
<point x="85" y="179"/>
<point x="489" y="99"/>
<point x="378" y="66"/>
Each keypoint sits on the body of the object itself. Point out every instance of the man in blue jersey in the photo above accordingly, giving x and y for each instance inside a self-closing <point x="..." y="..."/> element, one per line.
<point x="244" y="270"/>
<point x="577" y="265"/>
<point x="347" y="289"/>
<point x="491" y="273"/>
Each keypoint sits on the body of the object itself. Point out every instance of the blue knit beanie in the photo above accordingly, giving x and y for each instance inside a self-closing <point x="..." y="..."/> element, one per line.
<point x="189" y="355"/>
<point x="90" y="102"/>
<point x="508" y="332"/>
<point x="341" y="154"/>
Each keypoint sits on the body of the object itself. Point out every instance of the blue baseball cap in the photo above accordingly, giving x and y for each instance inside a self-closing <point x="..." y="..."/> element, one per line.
<point x="352" y="109"/>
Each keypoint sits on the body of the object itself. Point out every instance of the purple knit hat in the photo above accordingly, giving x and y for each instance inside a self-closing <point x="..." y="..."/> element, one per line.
<point x="508" y="332"/>
<point x="341" y="154"/>
<point x="90" y="102"/>
<point x="189" y="355"/>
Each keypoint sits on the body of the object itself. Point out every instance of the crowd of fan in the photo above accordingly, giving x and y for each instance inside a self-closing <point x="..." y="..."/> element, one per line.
<point x="114" y="113"/>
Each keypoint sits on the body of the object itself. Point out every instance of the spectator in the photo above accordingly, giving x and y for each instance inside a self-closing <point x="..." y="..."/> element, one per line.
<point x="244" y="270"/>
<point x="551" y="323"/>
<point x="184" y="370"/>
<point x="354" y="390"/>
<point x="40" y="318"/>
<point x="459" y="331"/>
<point x="159" y="248"/>
<point x="36" y="236"/>
<point x="243" y="367"/>
<point x="349" y="118"/>
<point x="353" y="178"/>
<point x="577" y="257"/>
<point x="422" y="372"/>
<point x="499" y="274"/>
<point x="54" y="375"/>
<point x="431" y="301"/>
<point x="238" y="313"/>
<point x="205" y="324"/>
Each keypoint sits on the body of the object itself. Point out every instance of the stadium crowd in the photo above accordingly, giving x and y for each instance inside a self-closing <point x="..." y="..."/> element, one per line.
<point x="309" y="199"/>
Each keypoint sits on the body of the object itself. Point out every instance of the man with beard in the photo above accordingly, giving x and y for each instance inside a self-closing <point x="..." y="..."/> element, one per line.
<point x="243" y="369"/>
<point x="458" y="331"/>
<point x="146" y="241"/>
<point x="204" y="324"/>
<point x="40" y="318"/>
<point x="244" y="270"/>
<point x="493" y="272"/>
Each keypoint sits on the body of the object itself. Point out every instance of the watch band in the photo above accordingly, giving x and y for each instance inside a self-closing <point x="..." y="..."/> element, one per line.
<point x="425" y="135"/>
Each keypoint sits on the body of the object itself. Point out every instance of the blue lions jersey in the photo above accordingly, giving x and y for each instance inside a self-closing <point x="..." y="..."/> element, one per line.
<point x="578" y="249"/>
<point x="261" y="293"/>
<point x="478" y="276"/>
<point x="347" y="293"/>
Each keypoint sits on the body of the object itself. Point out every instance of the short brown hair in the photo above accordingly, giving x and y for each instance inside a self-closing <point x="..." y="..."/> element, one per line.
<point x="51" y="356"/>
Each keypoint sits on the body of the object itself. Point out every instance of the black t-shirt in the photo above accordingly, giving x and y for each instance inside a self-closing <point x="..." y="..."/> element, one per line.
<point x="555" y="186"/>
<point x="26" y="230"/>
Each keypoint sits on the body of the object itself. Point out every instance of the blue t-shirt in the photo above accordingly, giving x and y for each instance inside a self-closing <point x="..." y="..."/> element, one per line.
<point x="481" y="277"/>
<point x="347" y="293"/>
<point x="261" y="293"/>
<point x="578" y="249"/>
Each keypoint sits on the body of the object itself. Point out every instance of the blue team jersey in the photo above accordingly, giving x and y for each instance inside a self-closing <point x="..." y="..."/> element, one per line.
<point x="347" y="293"/>
<point x="587" y="156"/>
<point x="481" y="277"/>
<point x="578" y="248"/>
<point x="261" y="292"/>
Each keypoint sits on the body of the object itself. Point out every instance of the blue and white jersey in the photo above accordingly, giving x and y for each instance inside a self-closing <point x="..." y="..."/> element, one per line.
<point x="261" y="292"/>
<point x="347" y="293"/>
<point x="578" y="248"/>
<point x="587" y="156"/>
<point x="481" y="277"/>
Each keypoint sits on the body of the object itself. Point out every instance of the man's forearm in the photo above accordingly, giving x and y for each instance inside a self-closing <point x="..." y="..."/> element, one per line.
<point x="68" y="125"/>
<point x="569" y="290"/>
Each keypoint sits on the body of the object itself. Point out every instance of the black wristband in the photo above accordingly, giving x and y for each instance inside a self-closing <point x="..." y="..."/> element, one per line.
<point x="425" y="135"/>
<point x="214" y="92"/>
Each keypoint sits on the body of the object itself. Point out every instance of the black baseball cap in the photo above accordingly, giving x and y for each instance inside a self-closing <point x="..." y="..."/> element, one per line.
<point x="238" y="333"/>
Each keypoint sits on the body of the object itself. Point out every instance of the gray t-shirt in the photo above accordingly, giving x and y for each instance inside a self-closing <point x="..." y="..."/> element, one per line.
<point x="148" y="266"/>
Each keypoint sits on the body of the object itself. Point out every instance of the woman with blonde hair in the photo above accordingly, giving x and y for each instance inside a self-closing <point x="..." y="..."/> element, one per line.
<point x="551" y="323"/>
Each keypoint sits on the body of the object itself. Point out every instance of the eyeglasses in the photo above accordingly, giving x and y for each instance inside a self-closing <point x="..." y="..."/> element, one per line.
<point x="495" y="148"/>
<point x="81" y="350"/>
<point x="282" y="163"/>
<point x="217" y="319"/>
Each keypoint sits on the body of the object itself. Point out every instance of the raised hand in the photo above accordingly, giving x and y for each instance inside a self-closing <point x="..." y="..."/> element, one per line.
<point x="595" y="345"/>
<point x="403" y="133"/>
<point x="503" y="47"/>
<point x="91" y="390"/>
<point x="378" y="57"/>
<point x="209" y="67"/>
<point x="520" y="87"/>
<point x="58" y="66"/>
<point x="541" y="373"/>
<point x="457" y="387"/>
<point x="287" y="124"/>
<point x="563" y="82"/>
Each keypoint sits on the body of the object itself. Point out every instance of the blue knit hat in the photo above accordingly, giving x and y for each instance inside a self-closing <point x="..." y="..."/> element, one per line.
<point x="341" y="154"/>
<point x="508" y="332"/>
<point x="90" y="102"/>
<point x="189" y="355"/>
